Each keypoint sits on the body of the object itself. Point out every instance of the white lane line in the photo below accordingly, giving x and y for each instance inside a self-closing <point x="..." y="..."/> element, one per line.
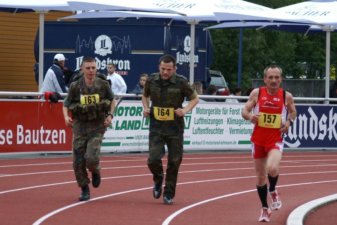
<point x="180" y="211"/>
<point x="67" y="182"/>
<point x="34" y="173"/>
<point x="111" y="168"/>
<point x="135" y="159"/>
<point x="34" y="187"/>
<point x="70" y="162"/>
<point x="45" y="217"/>
<point x="34" y="164"/>
<point x="147" y="174"/>
<point x="144" y="166"/>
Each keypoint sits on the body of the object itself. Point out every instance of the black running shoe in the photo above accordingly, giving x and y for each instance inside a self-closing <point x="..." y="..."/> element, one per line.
<point x="85" y="195"/>
<point x="157" y="190"/>
<point x="96" y="179"/>
<point x="167" y="200"/>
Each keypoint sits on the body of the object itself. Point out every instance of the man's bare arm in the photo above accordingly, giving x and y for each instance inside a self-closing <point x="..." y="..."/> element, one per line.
<point x="248" y="107"/>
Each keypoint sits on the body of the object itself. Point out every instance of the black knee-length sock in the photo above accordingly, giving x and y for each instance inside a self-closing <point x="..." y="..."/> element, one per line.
<point x="262" y="191"/>
<point x="272" y="182"/>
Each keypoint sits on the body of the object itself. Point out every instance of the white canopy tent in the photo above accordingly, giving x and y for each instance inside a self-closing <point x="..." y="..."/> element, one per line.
<point x="191" y="11"/>
<point x="258" y="26"/>
<point x="322" y="13"/>
<point x="41" y="8"/>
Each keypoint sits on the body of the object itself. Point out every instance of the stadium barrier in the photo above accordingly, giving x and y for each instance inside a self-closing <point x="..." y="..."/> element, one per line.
<point x="31" y="124"/>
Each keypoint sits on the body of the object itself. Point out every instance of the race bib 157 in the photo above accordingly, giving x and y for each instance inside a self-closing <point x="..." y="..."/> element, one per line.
<point x="269" y="120"/>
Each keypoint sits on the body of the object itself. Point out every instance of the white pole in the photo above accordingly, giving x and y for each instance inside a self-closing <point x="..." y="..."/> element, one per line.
<point x="327" y="65"/>
<point x="192" y="33"/>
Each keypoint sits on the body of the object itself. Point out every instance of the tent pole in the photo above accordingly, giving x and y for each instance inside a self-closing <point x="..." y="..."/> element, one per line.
<point x="240" y="57"/>
<point x="327" y="66"/>
<point x="192" y="52"/>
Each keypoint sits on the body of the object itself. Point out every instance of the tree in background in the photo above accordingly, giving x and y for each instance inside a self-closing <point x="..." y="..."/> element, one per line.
<point x="297" y="53"/>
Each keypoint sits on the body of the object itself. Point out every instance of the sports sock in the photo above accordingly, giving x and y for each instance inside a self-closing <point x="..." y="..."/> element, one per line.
<point x="262" y="191"/>
<point x="272" y="182"/>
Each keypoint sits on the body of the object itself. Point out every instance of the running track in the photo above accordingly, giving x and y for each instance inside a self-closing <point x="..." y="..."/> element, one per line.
<point x="213" y="188"/>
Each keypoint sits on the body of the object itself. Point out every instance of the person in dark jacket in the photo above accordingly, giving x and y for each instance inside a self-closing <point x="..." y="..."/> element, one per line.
<point x="166" y="91"/>
<point x="140" y="86"/>
<point x="333" y="92"/>
<point x="88" y="110"/>
<point x="54" y="80"/>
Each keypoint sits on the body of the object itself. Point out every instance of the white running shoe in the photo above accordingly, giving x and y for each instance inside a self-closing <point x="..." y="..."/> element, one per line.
<point x="275" y="200"/>
<point x="265" y="215"/>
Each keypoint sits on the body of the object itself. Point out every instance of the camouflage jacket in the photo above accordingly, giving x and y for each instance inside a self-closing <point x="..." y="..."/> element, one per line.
<point x="89" y="105"/>
<point x="166" y="95"/>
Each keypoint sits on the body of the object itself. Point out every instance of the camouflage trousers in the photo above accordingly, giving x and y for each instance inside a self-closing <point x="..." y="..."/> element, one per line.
<point x="86" y="155"/>
<point x="175" y="156"/>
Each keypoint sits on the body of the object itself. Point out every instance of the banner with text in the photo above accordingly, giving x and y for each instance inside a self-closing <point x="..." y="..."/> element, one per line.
<point x="39" y="127"/>
<point x="32" y="127"/>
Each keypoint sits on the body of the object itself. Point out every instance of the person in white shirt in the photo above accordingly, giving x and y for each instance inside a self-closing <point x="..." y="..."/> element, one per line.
<point x="54" y="79"/>
<point x="237" y="92"/>
<point x="118" y="85"/>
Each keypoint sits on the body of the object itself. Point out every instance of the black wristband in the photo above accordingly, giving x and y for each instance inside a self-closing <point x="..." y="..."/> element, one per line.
<point x="110" y="114"/>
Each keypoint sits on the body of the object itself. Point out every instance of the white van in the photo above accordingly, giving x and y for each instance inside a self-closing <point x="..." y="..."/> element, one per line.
<point x="218" y="80"/>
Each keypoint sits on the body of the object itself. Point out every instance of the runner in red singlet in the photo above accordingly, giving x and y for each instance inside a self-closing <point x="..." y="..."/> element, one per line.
<point x="272" y="110"/>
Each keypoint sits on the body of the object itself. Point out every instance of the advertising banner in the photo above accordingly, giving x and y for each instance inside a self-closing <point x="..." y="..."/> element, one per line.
<point x="33" y="127"/>
<point x="314" y="127"/>
<point x="39" y="127"/>
<point x="133" y="46"/>
<point x="219" y="126"/>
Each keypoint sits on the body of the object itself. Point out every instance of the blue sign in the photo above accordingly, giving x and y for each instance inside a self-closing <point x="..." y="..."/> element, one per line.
<point x="133" y="47"/>
<point x="314" y="127"/>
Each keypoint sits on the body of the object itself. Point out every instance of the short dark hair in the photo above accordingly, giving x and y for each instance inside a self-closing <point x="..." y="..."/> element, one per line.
<point x="111" y="64"/>
<point x="167" y="59"/>
<point x="88" y="59"/>
<point x="236" y="90"/>
<point x="211" y="89"/>
<point x="144" y="75"/>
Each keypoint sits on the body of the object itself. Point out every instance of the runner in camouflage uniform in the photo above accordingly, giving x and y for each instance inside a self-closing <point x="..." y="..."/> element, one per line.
<point x="90" y="101"/>
<point x="167" y="91"/>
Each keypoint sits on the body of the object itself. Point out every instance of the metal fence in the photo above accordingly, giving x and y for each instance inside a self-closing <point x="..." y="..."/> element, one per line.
<point x="299" y="87"/>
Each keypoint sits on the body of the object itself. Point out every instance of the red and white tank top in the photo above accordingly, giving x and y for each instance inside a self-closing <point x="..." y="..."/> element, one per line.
<point x="272" y="111"/>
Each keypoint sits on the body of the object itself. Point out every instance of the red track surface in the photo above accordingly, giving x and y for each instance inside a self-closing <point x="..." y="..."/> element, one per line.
<point x="213" y="189"/>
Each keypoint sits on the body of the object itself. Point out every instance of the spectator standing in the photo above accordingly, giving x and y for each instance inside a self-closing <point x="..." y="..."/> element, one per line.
<point x="141" y="84"/>
<point x="211" y="90"/>
<point x="118" y="85"/>
<point x="90" y="101"/>
<point x="236" y="92"/>
<point x="167" y="91"/>
<point x="54" y="80"/>
<point x="248" y="91"/>
<point x="272" y="111"/>
<point x="198" y="87"/>
<point x="333" y="92"/>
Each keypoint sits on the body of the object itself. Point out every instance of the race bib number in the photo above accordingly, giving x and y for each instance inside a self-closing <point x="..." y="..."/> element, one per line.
<point x="89" y="99"/>
<point x="268" y="120"/>
<point x="163" y="114"/>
